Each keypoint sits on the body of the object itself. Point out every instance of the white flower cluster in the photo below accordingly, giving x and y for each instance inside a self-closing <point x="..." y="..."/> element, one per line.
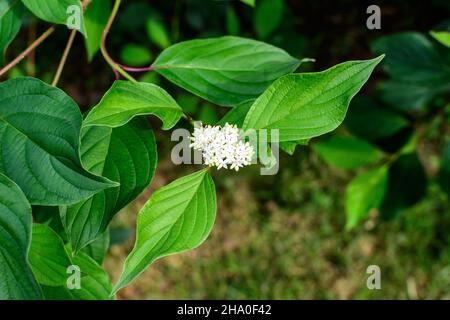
<point x="222" y="147"/>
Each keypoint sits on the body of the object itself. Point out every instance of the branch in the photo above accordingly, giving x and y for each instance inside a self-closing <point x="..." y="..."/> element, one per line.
<point x="63" y="60"/>
<point x="114" y="65"/>
<point x="27" y="51"/>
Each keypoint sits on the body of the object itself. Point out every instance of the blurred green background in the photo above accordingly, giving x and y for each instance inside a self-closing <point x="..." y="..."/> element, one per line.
<point x="283" y="236"/>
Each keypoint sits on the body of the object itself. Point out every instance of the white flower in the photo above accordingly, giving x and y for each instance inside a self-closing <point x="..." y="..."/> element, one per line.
<point x="222" y="147"/>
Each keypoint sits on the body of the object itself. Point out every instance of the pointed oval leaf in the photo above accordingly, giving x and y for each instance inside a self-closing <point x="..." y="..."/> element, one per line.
<point x="126" y="100"/>
<point x="67" y="12"/>
<point x="39" y="133"/>
<point x="226" y="70"/>
<point x="306" y="105"/>
<point x="127" y="155"/>
<point x="16" y="279"/>
<point x="178" y="217"/>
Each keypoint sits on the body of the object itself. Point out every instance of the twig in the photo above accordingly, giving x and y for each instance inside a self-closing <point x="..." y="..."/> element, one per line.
<point x="114" y="65"/>
<point x="131" y="69"/>
<point x="27" y="51"/>
<point x="63" y="60"/>
<point x="31" y="60"/>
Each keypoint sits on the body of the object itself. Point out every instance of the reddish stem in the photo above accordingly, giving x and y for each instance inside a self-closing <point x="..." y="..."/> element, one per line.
<point x="131" y="69"/>
<point x="116" y="73"/>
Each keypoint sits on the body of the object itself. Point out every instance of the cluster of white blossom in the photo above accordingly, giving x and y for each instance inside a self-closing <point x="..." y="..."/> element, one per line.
<point x="222" y="147"/>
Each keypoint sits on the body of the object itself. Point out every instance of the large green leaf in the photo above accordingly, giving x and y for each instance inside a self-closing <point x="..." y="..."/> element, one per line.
<point x="48" y="257"/>
<point x="125" y="100"/>
<point x="444" y="172"/>
<point x="95" y="283"/>
<point x="365" y="192"/>
<point x="268" y="16"/>
<point x="178" y="217"/>
<point x="57" y="11"/>
<point x="347" y="152"/>
<point x="10" y="22"/>
<point x="367" y="119"/>
<point x="16" y="279"/>
<point x="95" y="17"/>
<point x="125" y="154"/>
<point x="306" y="105"/>
<point x="226" y="70"/>
<point x="40" y="133"/>
<point x="407" y="185"/>
<point x="417" y="68"/>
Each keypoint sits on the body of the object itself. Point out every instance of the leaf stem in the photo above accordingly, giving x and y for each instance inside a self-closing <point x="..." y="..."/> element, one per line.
<point x="114" y="65"/>
<point x="131" y="69"/>
<point x="63" y="60"/>
<point x="27" y="51"/>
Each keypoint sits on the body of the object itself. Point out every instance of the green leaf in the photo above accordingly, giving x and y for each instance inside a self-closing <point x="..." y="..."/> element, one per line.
<point x="178" y="217"/>
<point x="232" y="21"/>
<point x="99" y="247"/>
<point x="10" y="22"/>
<point x="95" y="283"/>
<point x="40" y="133"/>
<point x="407" y="185"/>
<point x="306" y="105"/>
<point x="48" y="257"/>
<point x="347" y="152"/>
<point x="95" y="17"/>
<point x="367" y="119"/>
<point x="268" y="16"/>
<point x="16" y="279"/>
<point x="125" y="100"/>
<point x="416" y="67"/>
<point x="135" y="55"/>
<point x="157" y="32"/>
<point x="65" y="12"/>
<point x="365" y="192"/>
<point x="127" y="155"/>
<point x="442" y="36"/>
<point x="444" y="172"/>
<point x="226" y="70"/>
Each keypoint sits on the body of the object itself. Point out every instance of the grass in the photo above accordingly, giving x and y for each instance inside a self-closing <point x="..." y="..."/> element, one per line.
<point x="282" y="237"/>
